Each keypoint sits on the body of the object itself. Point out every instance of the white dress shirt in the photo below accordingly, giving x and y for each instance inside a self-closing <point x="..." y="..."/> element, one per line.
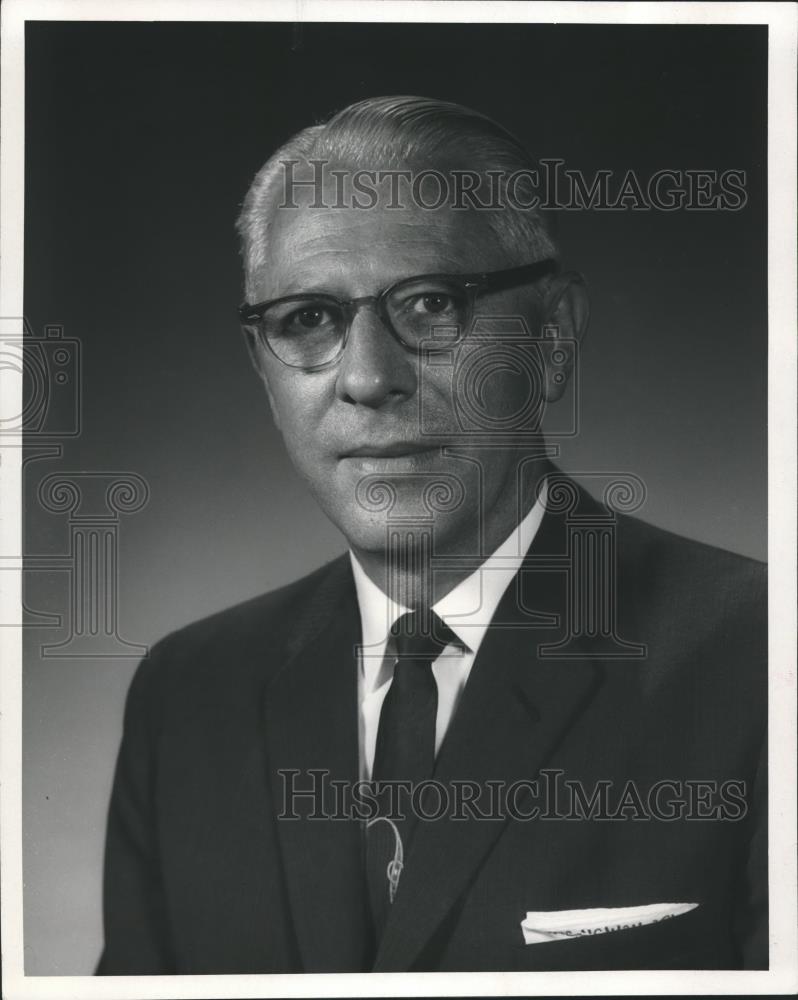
<point x="467" y="610"/>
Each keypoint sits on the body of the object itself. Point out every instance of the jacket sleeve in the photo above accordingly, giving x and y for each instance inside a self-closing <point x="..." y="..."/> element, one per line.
<point x="136" y="924"/>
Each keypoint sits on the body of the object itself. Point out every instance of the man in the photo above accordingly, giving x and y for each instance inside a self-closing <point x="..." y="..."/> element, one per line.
<point x="512" y="728"/>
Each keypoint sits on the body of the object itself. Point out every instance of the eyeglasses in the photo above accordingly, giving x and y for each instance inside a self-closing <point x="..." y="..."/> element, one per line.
<point x="310" y="331"/>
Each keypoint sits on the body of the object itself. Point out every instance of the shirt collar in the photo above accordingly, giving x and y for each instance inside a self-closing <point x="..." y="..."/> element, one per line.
<point x="467" y="609"/>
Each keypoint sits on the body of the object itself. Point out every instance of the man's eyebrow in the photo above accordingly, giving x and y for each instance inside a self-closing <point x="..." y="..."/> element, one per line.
<point x="335" y="287"/>
<point x="304" y="279"/>
<point x="338" y="287"/>
<point x="308" y="288"/>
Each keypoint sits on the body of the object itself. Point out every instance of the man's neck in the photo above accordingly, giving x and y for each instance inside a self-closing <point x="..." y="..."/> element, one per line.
<point x="413" y="576"/>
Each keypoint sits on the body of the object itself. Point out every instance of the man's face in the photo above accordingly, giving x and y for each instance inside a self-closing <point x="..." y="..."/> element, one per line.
<point x="368" y="432"/>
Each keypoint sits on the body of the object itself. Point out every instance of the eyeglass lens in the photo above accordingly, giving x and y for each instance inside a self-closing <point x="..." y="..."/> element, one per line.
<point x="310" y="331"/>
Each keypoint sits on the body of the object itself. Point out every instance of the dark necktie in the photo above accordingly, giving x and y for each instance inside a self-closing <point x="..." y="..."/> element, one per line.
<point x="405" y="750"/>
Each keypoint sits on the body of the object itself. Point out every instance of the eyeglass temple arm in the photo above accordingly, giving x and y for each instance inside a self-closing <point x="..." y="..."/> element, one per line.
<point x="494" y="280"/>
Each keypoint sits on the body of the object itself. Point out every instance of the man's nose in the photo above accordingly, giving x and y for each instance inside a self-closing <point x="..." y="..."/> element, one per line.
<point x="375" y="369"/>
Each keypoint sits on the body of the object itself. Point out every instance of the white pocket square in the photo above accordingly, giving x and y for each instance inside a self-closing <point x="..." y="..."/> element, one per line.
<point x="560" y="925"/>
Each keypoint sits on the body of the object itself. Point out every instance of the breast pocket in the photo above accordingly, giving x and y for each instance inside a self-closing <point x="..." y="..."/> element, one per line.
<point x="698" y="939"/>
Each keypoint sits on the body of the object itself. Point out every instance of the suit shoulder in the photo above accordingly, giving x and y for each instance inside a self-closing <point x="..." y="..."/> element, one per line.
<point x="685" y="595"/>
<point x="647" y="553"/>
<point x="675" y="556"/>
<point x="251" y="632"/>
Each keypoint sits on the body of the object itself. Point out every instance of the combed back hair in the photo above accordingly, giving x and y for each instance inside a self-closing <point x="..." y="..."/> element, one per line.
<point x="414" y="133"/>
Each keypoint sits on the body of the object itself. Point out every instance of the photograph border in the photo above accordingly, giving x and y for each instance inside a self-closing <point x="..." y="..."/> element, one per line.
<point x="782" y="976"/>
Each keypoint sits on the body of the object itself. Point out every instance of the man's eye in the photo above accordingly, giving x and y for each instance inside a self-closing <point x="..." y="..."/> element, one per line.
<point x="307" y="318"/>
<point x="433" y="302"/>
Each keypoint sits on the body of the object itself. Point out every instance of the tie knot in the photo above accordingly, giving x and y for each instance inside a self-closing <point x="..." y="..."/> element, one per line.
<point x="421" y="635"/>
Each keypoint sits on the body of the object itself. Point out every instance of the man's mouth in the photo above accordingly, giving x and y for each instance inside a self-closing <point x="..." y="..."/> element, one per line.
<point x="393" y="449"/>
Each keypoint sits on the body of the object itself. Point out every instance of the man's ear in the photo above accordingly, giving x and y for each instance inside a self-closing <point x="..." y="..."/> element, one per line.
<point x="255" y="351"/>
<point x="566" y="312"/>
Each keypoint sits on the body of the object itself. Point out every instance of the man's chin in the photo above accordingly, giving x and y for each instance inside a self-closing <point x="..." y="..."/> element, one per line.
<point x="403" y="531"/>
<point x="379" y="535"/>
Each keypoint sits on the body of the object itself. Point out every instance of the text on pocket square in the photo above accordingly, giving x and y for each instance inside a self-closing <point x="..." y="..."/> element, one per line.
<point x="560" y="925"/>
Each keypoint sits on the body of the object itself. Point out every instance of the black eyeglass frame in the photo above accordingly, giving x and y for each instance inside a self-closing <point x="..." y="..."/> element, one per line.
<point x="473" y="285"/>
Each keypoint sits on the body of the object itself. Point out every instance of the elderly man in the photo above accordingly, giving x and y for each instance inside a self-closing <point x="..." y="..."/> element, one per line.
<point x="512" y="728"/>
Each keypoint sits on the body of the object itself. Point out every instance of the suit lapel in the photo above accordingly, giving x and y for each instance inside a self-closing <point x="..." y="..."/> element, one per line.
<point x="312" y="723"/>
<point x="515" y="710"/>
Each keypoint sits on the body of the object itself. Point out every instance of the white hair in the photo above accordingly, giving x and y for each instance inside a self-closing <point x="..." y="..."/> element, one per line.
<point x="411" y="131"/>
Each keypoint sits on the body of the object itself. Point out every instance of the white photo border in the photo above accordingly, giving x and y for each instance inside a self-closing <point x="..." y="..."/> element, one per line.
<point x="782" y="977"/>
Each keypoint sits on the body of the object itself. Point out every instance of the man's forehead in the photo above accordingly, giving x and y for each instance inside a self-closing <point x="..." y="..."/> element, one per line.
<point x="381" y="243"/>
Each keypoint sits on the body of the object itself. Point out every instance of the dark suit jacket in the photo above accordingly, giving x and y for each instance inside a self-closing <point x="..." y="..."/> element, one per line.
<point x="201" y="877"/>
